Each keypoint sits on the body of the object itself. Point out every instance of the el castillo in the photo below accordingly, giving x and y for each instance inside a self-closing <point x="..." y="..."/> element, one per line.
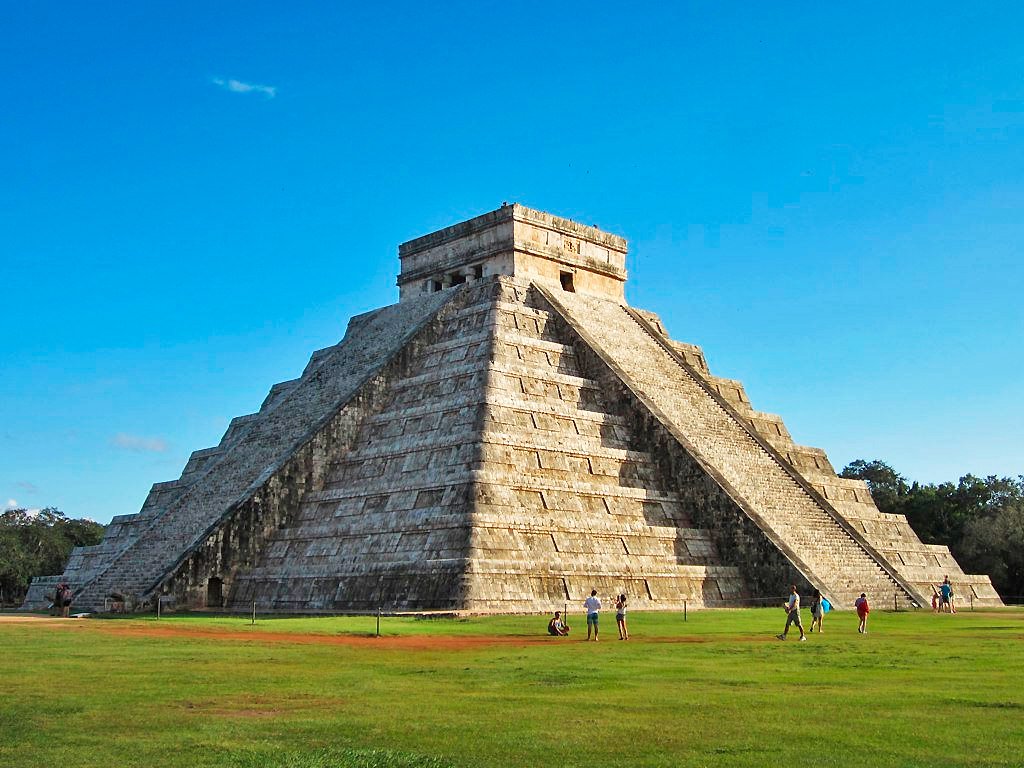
<point x="507" y="436"/>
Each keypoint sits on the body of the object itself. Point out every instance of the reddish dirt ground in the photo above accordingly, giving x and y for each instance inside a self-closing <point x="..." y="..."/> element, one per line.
<point x="257" y="635"/>
<point x="124" y="628"/>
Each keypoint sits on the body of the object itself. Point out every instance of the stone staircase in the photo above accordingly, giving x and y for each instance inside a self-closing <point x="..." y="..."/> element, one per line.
<point x="565" y="502"/>
<point x="819" y="542"/>
<point x="292" y="416"/>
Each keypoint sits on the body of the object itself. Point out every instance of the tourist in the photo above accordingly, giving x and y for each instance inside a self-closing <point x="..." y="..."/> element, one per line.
<point x="64" y="595"/>
<point x="792" y="608"/>
<point x="592" y="605"/>
<point x="861" y="604"/>
<point x="620" y="617"/>
<point x="946" y="590"/>
<point x="817" y="610"/>
<point x="557" y="627"/>
<point x="936" y="601"/>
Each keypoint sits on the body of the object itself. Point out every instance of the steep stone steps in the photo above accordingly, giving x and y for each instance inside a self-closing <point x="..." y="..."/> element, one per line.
<point x="829" y="554"/>
<point x="250" y="459"/>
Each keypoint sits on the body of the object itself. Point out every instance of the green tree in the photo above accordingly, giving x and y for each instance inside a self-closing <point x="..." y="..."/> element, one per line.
<point x="981" y="520"/>
<point x="888" y="487"/>
<point x="35" y="544"/>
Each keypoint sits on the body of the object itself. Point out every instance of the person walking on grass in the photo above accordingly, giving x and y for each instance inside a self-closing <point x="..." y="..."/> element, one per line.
<point x="793" y="614"/>
<point x="620" y="617"/>
<point x="863" y="609"/>
<point x="593" y="605"/>
<point x="817" y="610"/>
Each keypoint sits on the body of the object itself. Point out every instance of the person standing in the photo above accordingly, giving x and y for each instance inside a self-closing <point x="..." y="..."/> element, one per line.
<point x="620" y="617"/>
<point x="793" y="614"/>
<point x="947" y="595"/>
<point x="817" y="610"/>
<point x="863" y="609"/>
<point x="593" y="605"/>
<point x="64" y="596"/>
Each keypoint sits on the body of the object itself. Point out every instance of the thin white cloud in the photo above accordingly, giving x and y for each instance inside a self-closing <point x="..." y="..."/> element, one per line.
<point x="139" y="444"/>
<point x="11" y="503"/>
<point x="27" y="487"/>
<point x="237" y="86"/>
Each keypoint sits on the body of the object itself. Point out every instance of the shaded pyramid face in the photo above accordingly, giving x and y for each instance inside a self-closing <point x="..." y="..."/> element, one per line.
<point x="500" y="442"/>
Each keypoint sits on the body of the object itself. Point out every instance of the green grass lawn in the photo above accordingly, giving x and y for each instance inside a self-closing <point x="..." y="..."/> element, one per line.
<point x="918" y="690"/>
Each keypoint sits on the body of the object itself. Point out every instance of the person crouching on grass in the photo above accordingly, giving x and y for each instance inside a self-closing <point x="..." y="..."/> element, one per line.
<point x="557" y="627"/>
<point x="793" y="614"/>
<point x="863" y="610"/>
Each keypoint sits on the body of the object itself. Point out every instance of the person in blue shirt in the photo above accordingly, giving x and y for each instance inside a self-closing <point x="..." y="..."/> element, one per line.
<point x="946" y="592"/>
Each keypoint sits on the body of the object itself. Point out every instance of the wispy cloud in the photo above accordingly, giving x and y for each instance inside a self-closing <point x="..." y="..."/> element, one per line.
<point x="138" y="443"/>
<point x="11" y="503"/>
<point x="27" y="487"/>
<point x="237" y="86"/>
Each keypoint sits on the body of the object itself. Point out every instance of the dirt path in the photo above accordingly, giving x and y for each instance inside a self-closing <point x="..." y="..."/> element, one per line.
<point x="127" y="628"/>
<point x="124" y="628"/>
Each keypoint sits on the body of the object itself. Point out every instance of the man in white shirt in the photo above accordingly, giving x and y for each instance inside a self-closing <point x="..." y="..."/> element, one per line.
<point x="593" y="605"/>
<point x="793" y="614"/>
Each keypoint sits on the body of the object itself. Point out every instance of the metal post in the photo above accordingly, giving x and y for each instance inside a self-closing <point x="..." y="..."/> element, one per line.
<point x="253" y="611"/>
<point x="378" y="621"/>
<point x="158" y="602"/>
<point x="684" y="610"/>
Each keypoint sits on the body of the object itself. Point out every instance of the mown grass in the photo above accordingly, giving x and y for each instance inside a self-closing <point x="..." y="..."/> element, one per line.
<point x="918" y="690"/>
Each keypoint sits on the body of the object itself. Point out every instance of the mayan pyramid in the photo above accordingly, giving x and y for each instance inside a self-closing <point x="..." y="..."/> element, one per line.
<point x="508" y="436"/>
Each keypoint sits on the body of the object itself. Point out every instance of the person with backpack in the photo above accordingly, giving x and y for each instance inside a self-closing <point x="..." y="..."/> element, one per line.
<point x="817" y="610"/>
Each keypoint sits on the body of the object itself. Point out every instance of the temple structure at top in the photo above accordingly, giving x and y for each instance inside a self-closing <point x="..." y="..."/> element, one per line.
<point x="515" y="241"/>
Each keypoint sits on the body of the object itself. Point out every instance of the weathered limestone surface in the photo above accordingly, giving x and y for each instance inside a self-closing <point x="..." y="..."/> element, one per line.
<point x="566" y="498"/>
<point x="813" y="539"/>
<point x="923" y="565"/>
<point x="250" y="460"/>
<point x="507" y="437"/>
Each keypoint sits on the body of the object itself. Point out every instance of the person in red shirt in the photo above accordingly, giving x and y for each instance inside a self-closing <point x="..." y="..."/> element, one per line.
<point x="863" y="610"/>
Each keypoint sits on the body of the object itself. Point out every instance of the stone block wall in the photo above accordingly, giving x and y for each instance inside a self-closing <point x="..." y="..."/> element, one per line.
<point x="923" y="565"/>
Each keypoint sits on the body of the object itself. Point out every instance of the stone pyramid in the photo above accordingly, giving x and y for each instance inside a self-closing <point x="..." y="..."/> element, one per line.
<point x="507" y="437"/>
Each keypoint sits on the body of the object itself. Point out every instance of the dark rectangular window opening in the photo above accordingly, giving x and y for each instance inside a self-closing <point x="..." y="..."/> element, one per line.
<point x="478" y="271"/>
<point x="458" y="279"/>
<point x="566" y="278"/>
<point x="435" y="285"/>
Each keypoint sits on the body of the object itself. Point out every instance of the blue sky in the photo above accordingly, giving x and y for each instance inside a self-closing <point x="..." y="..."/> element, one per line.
<point x="194" y="197"/>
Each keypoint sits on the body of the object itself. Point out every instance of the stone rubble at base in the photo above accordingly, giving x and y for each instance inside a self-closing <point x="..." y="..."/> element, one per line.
<point x="506" y="438"/>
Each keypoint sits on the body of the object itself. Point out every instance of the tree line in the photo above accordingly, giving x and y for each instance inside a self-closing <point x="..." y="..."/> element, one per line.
<point x="981" y="520"/>
<point x="38" y="544"/>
